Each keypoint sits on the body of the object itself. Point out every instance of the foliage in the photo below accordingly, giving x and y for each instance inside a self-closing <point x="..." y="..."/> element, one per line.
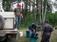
<point x="27" y="20"/>
<point x="52" y="18"/>
<point x="6" y="4"/>
<point x="29" y="17"/>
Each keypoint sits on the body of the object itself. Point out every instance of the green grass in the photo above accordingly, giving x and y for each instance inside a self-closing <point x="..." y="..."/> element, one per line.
<point x="24" y="39"/>
<point x="23" y="29"/>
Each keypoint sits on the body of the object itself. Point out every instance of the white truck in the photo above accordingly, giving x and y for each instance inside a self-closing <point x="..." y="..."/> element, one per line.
<point x="8" y="31"/>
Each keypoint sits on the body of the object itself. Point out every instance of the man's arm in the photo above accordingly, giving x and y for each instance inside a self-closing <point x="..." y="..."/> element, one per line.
<point x="15" y="11"/>
<point x="21" y="15"/>
<point x="51" y="28"/>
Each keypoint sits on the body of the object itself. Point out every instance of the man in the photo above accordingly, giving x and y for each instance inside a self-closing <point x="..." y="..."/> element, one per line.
<point x="47" y="29"/>
<point x="33" y="26"/>
<point x="18" y="15"/>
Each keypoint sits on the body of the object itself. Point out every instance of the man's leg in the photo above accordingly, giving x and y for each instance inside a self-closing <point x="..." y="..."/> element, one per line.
<point x="16" y="21"/>
<point x="47" y="38"/>
<point x="19" y="21"/>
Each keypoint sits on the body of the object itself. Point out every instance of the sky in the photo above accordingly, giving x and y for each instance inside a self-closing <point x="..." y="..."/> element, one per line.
<point x="54" y="6"/>
<point x="0" y="0"/>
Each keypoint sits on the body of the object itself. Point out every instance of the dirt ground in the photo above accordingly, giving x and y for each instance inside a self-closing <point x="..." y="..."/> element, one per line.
<point x="52" y="39"/>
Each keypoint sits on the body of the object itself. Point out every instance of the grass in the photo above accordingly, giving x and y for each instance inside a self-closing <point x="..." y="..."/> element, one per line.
<point x="23" y="29"/>
<point x="54" y="36"/>
<point x="24" y="39"/>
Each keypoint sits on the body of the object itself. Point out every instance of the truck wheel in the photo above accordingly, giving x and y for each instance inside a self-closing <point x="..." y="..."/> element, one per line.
<point x="1" y="22"/>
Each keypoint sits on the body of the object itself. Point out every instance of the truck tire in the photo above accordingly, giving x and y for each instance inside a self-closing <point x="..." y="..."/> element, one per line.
<point x="1" y="22"/>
